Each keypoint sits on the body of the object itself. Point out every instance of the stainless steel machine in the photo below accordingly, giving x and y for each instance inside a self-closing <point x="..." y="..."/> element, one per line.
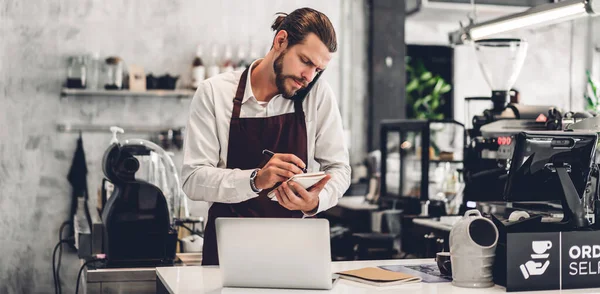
<point x="490" y="148"/>
<point x="490" y="141"/>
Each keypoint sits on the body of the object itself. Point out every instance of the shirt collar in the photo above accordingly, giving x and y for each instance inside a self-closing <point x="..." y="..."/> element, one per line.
<point x="248" y="91"/>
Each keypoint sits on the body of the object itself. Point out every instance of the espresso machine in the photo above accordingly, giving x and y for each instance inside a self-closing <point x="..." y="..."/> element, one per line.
<point x="490" y="140"/>
<point x="141" y="206"/>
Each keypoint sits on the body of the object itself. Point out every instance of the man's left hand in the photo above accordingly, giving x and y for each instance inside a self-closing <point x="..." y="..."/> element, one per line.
<point x="304" y="200"/>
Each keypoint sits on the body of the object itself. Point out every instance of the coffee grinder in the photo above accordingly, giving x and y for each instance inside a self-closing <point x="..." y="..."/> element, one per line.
<point x="500" y="61"/>
<point x="490" y="140"/>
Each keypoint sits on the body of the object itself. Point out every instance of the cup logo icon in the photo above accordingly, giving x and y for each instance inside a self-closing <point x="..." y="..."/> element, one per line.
<point x="540" y="247"/>
<point x="539" y="263"/>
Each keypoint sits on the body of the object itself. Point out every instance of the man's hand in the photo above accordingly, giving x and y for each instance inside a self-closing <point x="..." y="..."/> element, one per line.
<point x="279" y="168"/>
<point x="301" y="199"/>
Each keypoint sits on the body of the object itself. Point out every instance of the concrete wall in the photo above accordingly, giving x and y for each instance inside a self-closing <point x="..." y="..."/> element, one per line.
<point x="36" y="38"/>
<point x="353" y="77"/>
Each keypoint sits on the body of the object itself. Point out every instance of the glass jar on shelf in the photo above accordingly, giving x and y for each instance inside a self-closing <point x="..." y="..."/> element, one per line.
<point x="76" y="73"/>
<point x="92" y="71"/>
<point x="114" y="73"/>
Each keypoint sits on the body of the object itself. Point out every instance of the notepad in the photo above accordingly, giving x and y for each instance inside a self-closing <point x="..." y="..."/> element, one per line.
<point x="305" y="180"/>
<point x="378" y="277"/>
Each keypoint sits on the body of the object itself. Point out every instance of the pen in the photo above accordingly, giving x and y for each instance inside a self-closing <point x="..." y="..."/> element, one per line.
<point x="271" y="153"/>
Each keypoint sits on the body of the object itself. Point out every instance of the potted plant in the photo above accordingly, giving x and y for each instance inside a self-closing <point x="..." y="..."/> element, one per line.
<point x="424" y="95"/>
<point x="591" y="93"/>
<point x="424" y="91"/>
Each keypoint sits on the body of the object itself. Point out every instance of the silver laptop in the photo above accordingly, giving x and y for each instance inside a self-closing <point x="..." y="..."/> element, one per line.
<point x="274" y="253"/>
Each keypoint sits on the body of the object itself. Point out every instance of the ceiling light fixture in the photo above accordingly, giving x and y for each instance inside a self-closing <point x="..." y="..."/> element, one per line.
<point x="544" y="14"/>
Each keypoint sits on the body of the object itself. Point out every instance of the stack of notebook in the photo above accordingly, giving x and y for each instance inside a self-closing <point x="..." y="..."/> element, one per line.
<point x="378" y="277"/>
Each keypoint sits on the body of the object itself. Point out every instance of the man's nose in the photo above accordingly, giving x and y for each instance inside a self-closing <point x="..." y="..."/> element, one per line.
<point x="309" y="74"/>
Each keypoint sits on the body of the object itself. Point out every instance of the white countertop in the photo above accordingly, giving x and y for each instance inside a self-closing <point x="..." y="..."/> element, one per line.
<point x="196" y="279"/>
<point x="436" y="224"/>
<point x="356" y="203"/>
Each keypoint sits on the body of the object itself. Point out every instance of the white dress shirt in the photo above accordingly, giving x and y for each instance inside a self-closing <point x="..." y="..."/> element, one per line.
<point x="204" y="172"/>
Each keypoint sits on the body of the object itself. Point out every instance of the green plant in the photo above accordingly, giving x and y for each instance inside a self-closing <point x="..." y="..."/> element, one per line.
<point x="591" y="94"/>
<point x="591" y="97"/>
<point x="424" y="91"/>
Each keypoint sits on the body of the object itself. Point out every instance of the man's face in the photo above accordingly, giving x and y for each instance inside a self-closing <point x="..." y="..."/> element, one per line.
<point x="298" y="65"/>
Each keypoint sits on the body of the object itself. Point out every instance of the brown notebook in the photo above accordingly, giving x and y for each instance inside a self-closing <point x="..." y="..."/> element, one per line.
<point x="378" y="277"/>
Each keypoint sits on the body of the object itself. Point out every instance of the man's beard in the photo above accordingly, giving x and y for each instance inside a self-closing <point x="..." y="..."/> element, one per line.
<point x="280" y="78"/>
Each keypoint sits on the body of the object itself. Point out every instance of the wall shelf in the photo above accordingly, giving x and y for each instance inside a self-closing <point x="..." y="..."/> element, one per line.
<point x="445" y="160"/>
<point x="89" y="128"/>
<point x="180" y="93"/>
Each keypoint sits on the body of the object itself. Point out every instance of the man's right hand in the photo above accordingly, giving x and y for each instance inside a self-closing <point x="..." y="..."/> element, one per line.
<point x="280" y="167"/>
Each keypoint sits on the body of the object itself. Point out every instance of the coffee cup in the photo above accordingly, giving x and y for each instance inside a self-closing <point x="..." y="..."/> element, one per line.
<point x="444" y="263"/>
<point x="540" y="247"/>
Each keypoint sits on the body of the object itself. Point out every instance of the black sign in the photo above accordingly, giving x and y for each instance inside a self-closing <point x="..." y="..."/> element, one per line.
<point x="552" y="261"/>
<point x="581" y="260"/>
<point x="533" y="261"/>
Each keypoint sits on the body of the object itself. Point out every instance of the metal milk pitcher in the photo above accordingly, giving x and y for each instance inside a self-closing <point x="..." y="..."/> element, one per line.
<point x="473" y="242"/>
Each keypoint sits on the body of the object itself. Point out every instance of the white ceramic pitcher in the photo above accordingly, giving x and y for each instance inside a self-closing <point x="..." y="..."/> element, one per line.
<point x="473" y="242"/>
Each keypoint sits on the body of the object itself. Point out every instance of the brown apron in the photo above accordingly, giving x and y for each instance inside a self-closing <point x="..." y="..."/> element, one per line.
<point x="248" y="137"/>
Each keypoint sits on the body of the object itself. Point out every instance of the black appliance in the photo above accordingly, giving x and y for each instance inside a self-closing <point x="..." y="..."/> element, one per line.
<point x="141" y="211"/>
<point x="547" y="166"/>
<point x="491" y="145"/>
<point x="490" y="139"/>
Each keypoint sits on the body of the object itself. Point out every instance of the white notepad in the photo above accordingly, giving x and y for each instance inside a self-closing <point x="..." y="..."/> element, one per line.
<point x="305" y="180"/>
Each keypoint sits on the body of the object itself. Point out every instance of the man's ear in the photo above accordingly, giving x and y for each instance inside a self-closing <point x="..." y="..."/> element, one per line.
<point x="280" y="41"/>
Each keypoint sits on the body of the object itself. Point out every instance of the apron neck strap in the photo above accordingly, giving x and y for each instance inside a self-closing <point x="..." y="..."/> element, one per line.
<point x="298" y="105"/>
<point x="239" y="94"/>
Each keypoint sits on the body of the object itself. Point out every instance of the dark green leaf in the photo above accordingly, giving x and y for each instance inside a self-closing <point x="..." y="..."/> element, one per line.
<point x="418" y="103"/>
<point x="438" y="86"/>
<point x="426" y="76"/>
<point x="590" y="102"/>
<point x="446" y="88"/>
<point x="592" y="84"/>
<point x="427" y="99"/>
<point x="412" y="85"/>
<point x="430" y="82"/>
<point x="435" y="103"/>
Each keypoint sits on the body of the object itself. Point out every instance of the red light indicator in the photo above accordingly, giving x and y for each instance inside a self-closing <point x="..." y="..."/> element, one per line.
<point x="504" y="141"/>
<point x="541" y="118"/>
